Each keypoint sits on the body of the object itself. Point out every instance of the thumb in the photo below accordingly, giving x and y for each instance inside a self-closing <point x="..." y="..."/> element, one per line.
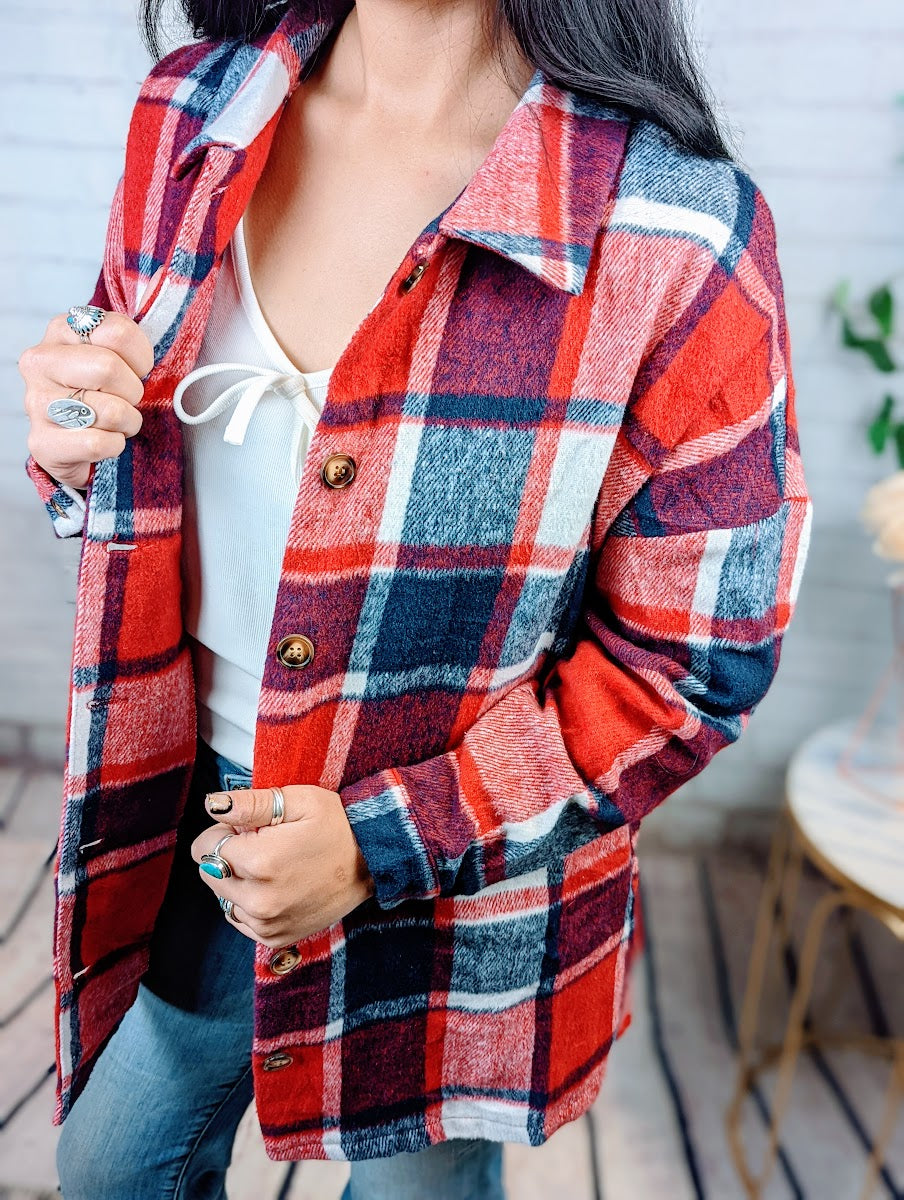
<point x="245" y="808"/>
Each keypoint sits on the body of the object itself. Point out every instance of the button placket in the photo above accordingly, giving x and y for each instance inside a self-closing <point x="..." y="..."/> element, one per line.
<point x="338" y="470"/>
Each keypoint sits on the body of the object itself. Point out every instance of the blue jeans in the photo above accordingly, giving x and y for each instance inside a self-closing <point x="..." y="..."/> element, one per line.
<point x="158" y="1116"/>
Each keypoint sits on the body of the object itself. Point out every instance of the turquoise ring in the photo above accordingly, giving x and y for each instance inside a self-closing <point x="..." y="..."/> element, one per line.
<point x="214" y="864"/>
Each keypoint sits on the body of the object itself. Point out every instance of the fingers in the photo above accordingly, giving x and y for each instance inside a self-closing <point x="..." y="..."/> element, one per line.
<point x="246" y="808"/>
<point x="109" y="369"/>
<point x="114" y="415"/>
<point x="250" y="913"/>
<point x="255" y="931"/>
<point x="60" y="368"/>
<point x="67" y="454"/>
<point x="117" y="333"/>
<point x="242" y="852"/>
<point x="69" y="460"/>
<point x="241" y="925"/>
<point x="236" y="915"/>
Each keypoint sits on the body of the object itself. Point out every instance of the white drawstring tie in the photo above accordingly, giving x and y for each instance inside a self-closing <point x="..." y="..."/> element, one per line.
<point x="246" y="394"/>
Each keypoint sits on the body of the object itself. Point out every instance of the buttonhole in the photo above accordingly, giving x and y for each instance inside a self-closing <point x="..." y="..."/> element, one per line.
<point x="121" y="546"/>
<point x="89" y="845"/>
<point x="79" y="974"/>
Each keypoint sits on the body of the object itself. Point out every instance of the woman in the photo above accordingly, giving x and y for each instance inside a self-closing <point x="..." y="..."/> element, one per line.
<point x="433" y="448"/>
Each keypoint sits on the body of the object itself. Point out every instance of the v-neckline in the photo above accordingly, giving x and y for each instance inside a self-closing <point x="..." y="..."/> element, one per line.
<point x="258" y="321"/>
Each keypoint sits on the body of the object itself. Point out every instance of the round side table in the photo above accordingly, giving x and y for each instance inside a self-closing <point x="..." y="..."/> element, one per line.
<point x="855" y="838"/>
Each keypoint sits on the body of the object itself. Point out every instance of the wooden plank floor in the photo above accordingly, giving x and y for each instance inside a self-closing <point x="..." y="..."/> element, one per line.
<point x="657" y="1128"/>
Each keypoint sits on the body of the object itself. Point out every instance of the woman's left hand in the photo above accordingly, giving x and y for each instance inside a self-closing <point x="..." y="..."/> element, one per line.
<point x="288" y="880"/>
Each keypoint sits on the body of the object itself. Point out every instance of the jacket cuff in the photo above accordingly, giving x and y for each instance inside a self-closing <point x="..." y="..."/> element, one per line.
<point x="65" y="505"/>
<point x="379" y="811"/>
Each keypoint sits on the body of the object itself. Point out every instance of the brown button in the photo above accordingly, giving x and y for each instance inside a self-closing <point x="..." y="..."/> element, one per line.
<point x="338" y="471"/>
<point x="285" y="961"/>
<point x="295" y="650"/>
<point x="410" y="280"/>
<point x="276" y="1061"/>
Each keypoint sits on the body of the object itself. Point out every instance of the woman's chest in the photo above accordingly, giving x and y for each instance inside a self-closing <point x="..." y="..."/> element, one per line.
<point x="332" y="216"/>
<point x="472" y="416"/>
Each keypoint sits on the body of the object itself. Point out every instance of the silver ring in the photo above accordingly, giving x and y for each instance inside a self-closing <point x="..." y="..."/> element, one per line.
<point x="228" y="907"/>
<point x="72" y="412"/>
<point x="279" y="806"/>
<point x="214" y="864"/>
<point x="83" y="319"/>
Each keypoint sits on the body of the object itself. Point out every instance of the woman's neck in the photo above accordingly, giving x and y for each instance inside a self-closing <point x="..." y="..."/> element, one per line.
<point x="423" y="64"/>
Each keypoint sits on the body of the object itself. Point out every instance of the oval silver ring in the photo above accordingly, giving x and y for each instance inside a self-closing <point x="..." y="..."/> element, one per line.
<point x="83" y="319"/>
<point x="279" y="806"/>
<point x="214" y="864"/>
<point x="71" y="411"/>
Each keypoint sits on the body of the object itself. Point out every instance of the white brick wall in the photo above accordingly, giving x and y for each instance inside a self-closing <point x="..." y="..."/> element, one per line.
<point x="68" y="78"/>
<point x="810" y="87"/>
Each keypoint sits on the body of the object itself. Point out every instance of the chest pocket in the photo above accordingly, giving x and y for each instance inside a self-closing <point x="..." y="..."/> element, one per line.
<point x="469" y="586"/>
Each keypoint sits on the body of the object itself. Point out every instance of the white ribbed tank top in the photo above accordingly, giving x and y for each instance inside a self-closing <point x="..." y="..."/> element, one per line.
<point x="248" y="415"/>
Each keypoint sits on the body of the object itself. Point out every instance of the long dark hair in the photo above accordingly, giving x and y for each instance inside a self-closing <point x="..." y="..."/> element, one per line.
<point x="632" y="54"/>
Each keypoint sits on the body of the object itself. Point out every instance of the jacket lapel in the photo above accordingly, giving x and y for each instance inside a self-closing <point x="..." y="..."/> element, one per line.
<point x="212" y="142"/>
<point x="540" y="196"/>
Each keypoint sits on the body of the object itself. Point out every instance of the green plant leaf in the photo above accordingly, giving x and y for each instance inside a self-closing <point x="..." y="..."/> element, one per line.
<point x="882" y="306"/>
<point x="841" y="296"/>
<point x="881" y="427"/>
<point x="874" y="349"/>
<point x="899" y="443"/>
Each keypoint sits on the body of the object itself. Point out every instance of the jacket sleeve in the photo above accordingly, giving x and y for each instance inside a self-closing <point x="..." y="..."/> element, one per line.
<point x="691" y="586"/>
<point x="66" y="505"/>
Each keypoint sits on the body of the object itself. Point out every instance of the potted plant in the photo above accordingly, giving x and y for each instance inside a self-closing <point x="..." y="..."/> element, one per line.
<point x="876" y="753"/>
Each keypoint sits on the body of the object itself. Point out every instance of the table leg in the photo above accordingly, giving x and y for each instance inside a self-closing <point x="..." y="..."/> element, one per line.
<point x="893" y="1099"/>
<point x="794" y="864"/>
<point x="796" y="1017"/>
<point x="768" y="916"/>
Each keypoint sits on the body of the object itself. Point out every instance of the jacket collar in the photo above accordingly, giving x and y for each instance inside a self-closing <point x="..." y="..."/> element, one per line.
<point x="540" y="196"/>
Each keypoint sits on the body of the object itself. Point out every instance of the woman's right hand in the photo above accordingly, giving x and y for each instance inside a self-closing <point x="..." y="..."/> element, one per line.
<point x="110" y="368"/>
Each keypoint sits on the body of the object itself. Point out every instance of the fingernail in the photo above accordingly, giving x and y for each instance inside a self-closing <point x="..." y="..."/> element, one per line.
<point x="219" y="803"/>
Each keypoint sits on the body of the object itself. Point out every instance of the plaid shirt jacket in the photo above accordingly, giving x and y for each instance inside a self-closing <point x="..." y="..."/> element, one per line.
<point x="556" y="588"/>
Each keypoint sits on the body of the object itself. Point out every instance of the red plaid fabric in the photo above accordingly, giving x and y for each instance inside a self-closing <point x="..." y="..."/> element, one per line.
<point x="556" y="588"/>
